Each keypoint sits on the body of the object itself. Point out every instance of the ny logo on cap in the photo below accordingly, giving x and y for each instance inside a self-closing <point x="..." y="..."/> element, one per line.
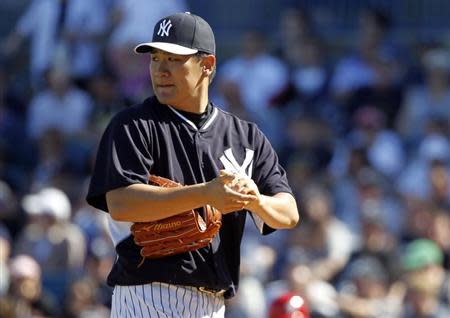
<point x="164" y="28"/>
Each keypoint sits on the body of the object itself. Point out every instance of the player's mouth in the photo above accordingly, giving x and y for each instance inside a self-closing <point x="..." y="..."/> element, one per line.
<point x="165" y="90"/>
<point x="164" y="86"/>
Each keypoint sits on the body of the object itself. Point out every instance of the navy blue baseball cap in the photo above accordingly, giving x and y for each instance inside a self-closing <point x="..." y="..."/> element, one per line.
<point x="181" y="33"/>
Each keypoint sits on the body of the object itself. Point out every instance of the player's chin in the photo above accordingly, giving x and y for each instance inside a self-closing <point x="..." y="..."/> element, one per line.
<point x="164" y="97"/>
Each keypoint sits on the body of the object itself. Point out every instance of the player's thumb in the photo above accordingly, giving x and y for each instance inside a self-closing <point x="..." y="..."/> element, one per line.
<point x="224" y="173"/>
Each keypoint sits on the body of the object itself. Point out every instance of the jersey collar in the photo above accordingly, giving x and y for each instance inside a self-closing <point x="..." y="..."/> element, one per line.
<point x="190" y="123"/>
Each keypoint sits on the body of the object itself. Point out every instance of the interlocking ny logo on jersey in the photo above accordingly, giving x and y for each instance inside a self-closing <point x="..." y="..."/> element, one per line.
<point x="231" y="165"/>
<point x="164" y="28"/>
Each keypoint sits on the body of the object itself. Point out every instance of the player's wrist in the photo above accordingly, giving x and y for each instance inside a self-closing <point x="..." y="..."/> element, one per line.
<point x="204" y="192"/>
<point x="257" y="206"/>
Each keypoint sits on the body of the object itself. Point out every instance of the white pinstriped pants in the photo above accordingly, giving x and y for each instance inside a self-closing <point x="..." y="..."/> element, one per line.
<point x="162" y="300"/>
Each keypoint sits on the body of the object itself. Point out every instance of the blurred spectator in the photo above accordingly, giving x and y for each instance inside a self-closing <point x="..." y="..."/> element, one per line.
<point x="384" y="93"/>
<point x="94" y="226"/>
<point x="320" y="296"/>
<point x="107" y="101"/>
<point x="309" y="138"/>
<point x="439" y="233"/>
<point x="14" y="161"/>
<point x="26" y="297"/>
<point x="61" y="106"/>
<point x="82" y="301"/>
<point x="49" y="237"/>
<point x="5" y="251"/>
<point x="250" y="302"/>
<point x="417" y="178"/>
<point x="257" y="267"/>
<point x="419" y="214"/>
<point x="295" y="27"/>
<point x="368" y="192"/>
<point x="439" y="183"/>
<point x="383" y="146"/>
<point x="378" y="243"/>
<point x="60" y="161"/>
<point x="250" y="79"/>
<point x="97" y="267"/>
<point x="368" y="292"/>
<point x="307" y="90"/>
<point x="100" y="252"/>
<point x="375" y="197"/>
<point x="344" y="168"/>
<point x="289" y="305"/>
<point x="133" y="22"/>
<point x="425" y="279"/>
<point x="429" y="101"/>
<point x="51" y="159"/>
<point x="62" y="32"/>
<point x="84" y="34"/>
<point x="356" y="69"/>
<point x="258" y="256"/>
<point x="9" y="209"/>
<point x="323" y="242"/>
<point x="302" y="171"/>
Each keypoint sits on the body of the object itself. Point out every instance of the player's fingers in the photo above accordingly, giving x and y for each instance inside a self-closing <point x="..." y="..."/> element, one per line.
<point x="224" y="173"/>
<point x="239" y="201"/>
<point x="240" y="196"/>
<point x="234" y="178"/>
<point x="246" y="190"/>
<point x="228" y="179"/>
<point x="245" y="186"/>
<point x="247" y="197"/>
<point x="240" y="188"/>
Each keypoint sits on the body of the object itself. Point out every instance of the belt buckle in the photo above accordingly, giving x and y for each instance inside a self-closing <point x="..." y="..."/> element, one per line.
<point x="211" y="291"/>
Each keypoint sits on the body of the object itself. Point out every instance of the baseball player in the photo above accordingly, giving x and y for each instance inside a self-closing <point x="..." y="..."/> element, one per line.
<point x="221" y="160"/>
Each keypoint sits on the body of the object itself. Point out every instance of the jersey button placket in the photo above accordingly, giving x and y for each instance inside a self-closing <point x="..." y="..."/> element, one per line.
<point x="198" y="147"/>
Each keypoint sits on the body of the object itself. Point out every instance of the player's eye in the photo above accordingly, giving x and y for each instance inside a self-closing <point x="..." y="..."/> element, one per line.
<point x="173" y="59"/>
<point x="154" y="59"/>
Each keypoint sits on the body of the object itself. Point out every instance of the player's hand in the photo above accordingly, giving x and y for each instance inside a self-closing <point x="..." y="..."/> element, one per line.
<point x="220" y="194"/>
<point x="245" y="185"/>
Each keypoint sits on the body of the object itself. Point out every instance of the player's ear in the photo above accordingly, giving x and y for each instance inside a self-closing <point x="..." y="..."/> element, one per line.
<point x="208" y="64"/>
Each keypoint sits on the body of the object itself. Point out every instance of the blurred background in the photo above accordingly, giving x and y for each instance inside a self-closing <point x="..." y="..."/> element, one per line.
<point x="354" y="96"/>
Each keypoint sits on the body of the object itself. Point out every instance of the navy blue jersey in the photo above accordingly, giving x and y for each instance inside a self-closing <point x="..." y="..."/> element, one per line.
<point x="151" y="138"/>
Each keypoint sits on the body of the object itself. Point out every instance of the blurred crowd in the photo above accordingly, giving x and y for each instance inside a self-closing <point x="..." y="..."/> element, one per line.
<point x="362" y="130"/>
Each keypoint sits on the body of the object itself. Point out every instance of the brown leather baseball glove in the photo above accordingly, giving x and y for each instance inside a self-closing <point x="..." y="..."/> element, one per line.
<point x="180" y="233"/>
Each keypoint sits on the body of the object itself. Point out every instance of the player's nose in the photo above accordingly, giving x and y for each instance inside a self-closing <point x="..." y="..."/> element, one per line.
<point x="160" y="68"/>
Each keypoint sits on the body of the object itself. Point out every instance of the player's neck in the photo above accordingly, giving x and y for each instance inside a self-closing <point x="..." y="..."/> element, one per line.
<point x="196" y="105"/>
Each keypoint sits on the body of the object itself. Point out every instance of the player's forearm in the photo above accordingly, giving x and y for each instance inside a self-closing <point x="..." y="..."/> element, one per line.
<point x="278" y="211"/>
<point x="141" y="202"/>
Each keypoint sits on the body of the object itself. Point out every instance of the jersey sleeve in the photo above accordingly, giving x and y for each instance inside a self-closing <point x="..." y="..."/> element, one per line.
<point x="123" y="158"/>
<point x="268" y="174"/>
